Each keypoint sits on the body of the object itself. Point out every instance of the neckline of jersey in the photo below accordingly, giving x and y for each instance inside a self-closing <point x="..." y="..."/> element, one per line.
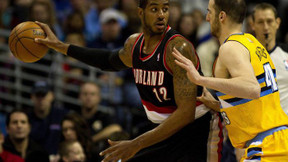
<point x="241" y="33"/>
<point x="151" y="54"/>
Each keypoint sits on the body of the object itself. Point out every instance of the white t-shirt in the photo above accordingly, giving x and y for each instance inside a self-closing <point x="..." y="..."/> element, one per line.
<point x="280" y="60"/>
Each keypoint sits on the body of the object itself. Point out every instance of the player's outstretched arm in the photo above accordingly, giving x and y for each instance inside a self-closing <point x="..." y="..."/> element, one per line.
<point x="104" y="59"/>
<point x="236" y="59"/>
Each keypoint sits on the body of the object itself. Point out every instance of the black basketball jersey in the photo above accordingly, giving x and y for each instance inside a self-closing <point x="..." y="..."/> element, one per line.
<point x="154" y="79"/>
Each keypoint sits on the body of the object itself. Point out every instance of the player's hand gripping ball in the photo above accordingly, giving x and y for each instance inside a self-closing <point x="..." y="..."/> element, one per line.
<point x="22" y="44"/>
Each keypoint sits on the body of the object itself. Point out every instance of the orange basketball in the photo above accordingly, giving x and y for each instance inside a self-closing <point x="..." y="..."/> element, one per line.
<point x="22" y="44"/>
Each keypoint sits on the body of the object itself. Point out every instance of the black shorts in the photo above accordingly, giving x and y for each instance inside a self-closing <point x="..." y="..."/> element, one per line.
<point x="187" y="145"/>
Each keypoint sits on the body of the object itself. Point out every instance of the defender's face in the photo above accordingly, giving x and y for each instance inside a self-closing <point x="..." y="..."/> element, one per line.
<point x="265" y="23"/>
<point x="213" y="19"/>
<point x="155" y="16"/>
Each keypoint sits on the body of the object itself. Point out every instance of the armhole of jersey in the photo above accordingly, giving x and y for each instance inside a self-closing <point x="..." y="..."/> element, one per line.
<point x="164" y="57"/>
<point x="195" y="53"/>
<point x="243" y="46"/>
<point x="134" y="47"/>
<point x="214" y="65"/>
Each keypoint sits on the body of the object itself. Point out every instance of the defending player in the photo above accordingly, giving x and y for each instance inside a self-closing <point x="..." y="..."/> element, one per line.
<point x="246" y="80"/>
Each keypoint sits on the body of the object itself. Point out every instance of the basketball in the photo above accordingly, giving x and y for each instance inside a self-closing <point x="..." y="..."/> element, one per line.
<point x="22" y="44"/>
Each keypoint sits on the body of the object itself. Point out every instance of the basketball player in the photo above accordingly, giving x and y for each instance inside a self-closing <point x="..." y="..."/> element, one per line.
<point x="265" y="23"/>
<point x="168" y="97"/>
<point x="246" y="85"/>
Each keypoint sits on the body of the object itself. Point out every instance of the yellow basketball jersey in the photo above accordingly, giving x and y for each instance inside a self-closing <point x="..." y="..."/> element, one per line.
<point x="245" y="118"/>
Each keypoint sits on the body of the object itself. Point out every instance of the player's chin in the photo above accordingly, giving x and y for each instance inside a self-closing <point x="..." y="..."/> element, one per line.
<point x="159" y="31"/>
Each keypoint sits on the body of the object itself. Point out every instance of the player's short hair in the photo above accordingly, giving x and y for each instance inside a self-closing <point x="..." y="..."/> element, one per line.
<point x="264" y="6"/>
<point x="235" y="9"/>
<point x="142" y="3"/>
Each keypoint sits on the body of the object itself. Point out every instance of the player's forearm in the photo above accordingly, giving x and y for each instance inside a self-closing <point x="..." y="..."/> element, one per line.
<point x="214" y="105"/>
<point x="170" y="126"/>
<point x="104" y="59"/>
<point x="237" y="87"/>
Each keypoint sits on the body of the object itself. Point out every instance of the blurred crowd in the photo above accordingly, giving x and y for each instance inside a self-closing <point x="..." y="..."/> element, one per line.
<point x="51" y="132"/>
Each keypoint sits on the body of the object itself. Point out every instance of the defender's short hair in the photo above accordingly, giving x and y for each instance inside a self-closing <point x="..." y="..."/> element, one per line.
<point x="235" y="9"/>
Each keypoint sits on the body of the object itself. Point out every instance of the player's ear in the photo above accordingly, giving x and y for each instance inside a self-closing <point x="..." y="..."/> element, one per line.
<point x="222" y="15"/>
<point x="140" y="11"/>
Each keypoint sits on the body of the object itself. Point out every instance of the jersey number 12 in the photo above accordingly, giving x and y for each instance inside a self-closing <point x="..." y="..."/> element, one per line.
<point x="163" y="92"/>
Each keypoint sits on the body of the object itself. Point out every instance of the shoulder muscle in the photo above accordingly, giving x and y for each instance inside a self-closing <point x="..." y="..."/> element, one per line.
<point x="125" y="53"/>
<point x="184" y="91"/>
<point x="236" y="58"/>
<point x="184" y="47"/>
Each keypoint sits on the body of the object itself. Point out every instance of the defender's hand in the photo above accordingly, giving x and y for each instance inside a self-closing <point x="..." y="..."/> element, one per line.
<point x="192" y="74"/>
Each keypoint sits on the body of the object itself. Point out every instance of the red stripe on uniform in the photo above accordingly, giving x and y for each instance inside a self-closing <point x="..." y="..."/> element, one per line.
<point x="164" y="110"/>
<point x="135" y="44"/>
<point x="220" y="143"/>
<point x="198" y="103"/>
